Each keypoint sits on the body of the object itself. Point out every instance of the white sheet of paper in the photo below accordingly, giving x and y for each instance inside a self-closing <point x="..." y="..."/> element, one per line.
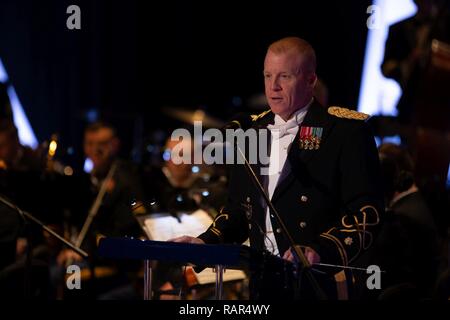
<point x="162" y="227"/>
<point x="208" y="276"/>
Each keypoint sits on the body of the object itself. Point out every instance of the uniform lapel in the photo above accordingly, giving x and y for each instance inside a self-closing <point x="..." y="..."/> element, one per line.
<point x="317" y="116"/>
<point x="253" y="189"/>
<point x="262" y="124"/>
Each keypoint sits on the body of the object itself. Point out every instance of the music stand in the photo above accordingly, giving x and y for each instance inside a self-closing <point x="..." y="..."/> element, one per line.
<point x="208" y="255"/>
<point x="26" y="216"/>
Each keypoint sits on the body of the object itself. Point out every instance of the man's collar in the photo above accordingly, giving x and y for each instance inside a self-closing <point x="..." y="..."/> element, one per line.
<point x="401" y="195"/>
<point x="298" y="115"/>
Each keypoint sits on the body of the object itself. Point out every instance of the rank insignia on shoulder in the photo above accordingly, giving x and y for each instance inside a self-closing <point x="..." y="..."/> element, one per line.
<point x="310" y="138"/>
<point x="347" y="113"/>
<point x="256" y="117"/>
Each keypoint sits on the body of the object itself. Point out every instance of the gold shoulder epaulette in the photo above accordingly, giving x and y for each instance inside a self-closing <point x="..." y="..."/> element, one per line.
<point x="347" y="113"/>
<point x="259" y="116"/>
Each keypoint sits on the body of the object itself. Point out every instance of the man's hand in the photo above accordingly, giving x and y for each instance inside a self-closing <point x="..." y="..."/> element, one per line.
<point x="67" y="255"/>
<point x="187" y="239"/>
<point x="21" y="246"/>
<point x="310" y="255"/>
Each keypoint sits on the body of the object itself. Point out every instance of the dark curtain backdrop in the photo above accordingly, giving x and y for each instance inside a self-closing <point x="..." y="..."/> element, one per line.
<point x="132" y="58"/>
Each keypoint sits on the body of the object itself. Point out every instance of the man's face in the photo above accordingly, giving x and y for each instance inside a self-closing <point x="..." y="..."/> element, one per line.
<point x="180" y="170"/>
<point x="288" y="85"/>
<point x="100" y="146"/>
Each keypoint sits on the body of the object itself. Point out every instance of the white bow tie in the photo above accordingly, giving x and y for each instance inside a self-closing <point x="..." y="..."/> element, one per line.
<point x="280" y="130"/>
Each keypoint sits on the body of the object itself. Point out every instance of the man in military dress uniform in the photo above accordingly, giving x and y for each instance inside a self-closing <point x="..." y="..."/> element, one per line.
<point x="323" y="172"/>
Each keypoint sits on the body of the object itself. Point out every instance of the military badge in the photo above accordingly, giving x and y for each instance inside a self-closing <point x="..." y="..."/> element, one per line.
<point x="310" y="138"/>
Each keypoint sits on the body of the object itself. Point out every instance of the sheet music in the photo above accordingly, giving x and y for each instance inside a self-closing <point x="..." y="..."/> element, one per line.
<point x="163" y="226"/>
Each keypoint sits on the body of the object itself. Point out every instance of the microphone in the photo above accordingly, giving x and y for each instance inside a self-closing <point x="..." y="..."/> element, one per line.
<point x="240" y="121"/>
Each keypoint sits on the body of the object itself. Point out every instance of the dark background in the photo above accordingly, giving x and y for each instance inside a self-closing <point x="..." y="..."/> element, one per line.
<point x="131" y="59"/>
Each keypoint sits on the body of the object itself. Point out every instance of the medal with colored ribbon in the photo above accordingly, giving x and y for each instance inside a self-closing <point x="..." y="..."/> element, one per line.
<point x="310" y="138"/>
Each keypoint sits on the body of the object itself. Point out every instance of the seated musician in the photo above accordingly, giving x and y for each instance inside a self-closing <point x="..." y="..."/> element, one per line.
<point x="179" y="188"/>
<point x="183" y="186"/>
<point x="114" y="218"/>
<point x="25" y="182"/>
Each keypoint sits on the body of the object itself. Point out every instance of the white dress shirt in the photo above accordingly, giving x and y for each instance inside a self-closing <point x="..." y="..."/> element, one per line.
<point x="282" y="135"/>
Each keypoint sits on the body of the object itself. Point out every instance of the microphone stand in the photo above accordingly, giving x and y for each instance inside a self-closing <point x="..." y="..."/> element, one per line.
<point x="29" y="217"/>
<point x="298" y="254"/>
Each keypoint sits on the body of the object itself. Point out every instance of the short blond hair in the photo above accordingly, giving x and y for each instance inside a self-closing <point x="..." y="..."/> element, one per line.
<point x="298" y="45"/>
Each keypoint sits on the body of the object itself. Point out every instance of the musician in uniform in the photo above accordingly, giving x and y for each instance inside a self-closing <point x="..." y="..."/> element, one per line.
<point x="408" y="247"/>
<point x="25" y="182"/>
<point x="113" y="218"/>
<point x="184" y="187"/>
<point x="325" y="184"/>
<point x="176" y="188"/>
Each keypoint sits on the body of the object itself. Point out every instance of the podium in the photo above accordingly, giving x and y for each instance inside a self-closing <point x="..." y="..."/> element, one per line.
<point x="217" y="256"/>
